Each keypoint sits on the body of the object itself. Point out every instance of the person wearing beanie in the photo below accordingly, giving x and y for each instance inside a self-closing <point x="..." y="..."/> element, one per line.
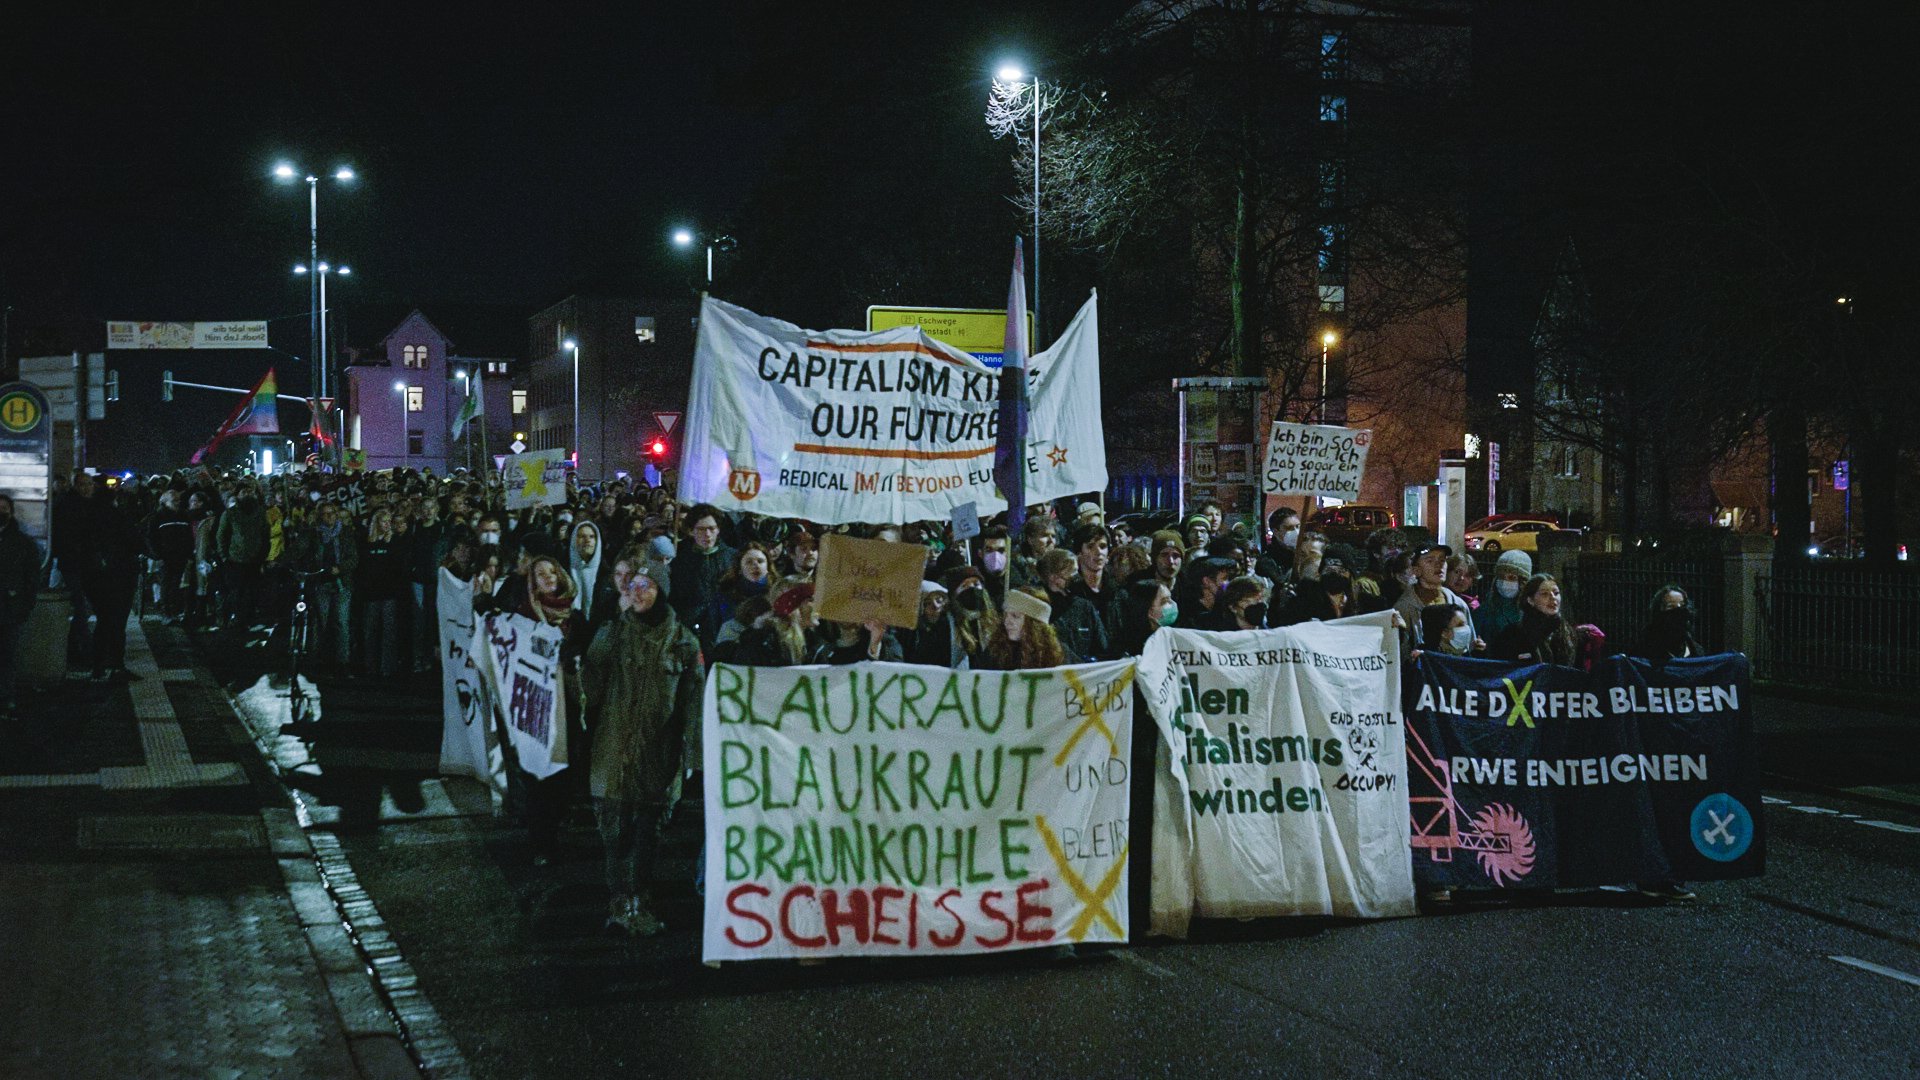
<point x="1168" y="552"/>
<point x="1500" y="594"/>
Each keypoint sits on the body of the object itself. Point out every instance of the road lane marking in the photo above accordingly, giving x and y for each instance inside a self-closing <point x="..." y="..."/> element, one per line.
<point x="1877" y="969"/>
<point x="1871" y="823"/>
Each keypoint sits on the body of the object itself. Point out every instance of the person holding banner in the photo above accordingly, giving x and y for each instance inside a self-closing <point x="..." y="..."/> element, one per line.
<point x="1428" y="567"/>
<point x="643" y="679"/>
<point x="1668" y="634"/>
<point x="544" y="593"/>
<point x="1543" y="635"/>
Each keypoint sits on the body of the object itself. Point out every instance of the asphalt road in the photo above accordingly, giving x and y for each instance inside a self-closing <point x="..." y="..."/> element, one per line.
<point x="1742" y="983"/>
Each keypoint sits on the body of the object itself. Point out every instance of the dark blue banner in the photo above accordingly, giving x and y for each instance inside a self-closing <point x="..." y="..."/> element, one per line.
<point x="1524" y="777"/>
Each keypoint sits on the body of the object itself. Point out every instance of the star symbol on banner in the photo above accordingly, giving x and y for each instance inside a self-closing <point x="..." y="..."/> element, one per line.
<point x="1058" y="456"/>
<point x="536" y="474"/>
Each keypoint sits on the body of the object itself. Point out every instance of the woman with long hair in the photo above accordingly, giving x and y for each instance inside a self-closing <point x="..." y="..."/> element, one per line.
<point x="1544" y="634"/>
<point x="788" y="635"/>
<point x="748" y="576"/>
<point x="1144" y="606"/>
<point x="1023" y="639"/>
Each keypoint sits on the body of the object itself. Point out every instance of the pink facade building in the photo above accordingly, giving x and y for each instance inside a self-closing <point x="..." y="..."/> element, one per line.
<point x="405" y="393"/>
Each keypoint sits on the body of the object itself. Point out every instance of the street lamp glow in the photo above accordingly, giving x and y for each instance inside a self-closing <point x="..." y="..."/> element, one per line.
<point x="1010" y="73"/>
<point x="284" y="171"/>
<point x="1329" y="338"/>
<point x="345" y="271"/>
<point x="400" y="387"/>
<point x="323" y="268"/>
<point x="570" y="344"/>
<point x="299" y="268"/>
<point x="343" y="174"/>
<point x="683" y="237"/>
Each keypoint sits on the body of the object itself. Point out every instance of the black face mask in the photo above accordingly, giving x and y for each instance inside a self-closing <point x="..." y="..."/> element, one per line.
<point x="973" y="600"/>
<point x="1335" y="584"/>
<point x="1254" y="614"/>
<point x="1675" y="621"/>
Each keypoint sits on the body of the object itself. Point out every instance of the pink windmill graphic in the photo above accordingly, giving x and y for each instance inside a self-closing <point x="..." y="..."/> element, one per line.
<point x="1499" y="837"/>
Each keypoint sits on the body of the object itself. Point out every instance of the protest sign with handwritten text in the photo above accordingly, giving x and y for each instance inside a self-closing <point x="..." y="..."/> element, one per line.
<point x="892" y="809"/>
<point x="860" y="580"/>
<point x="1316" y="459"/>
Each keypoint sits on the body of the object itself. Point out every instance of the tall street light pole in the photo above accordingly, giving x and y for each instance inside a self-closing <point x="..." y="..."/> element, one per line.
<point x="286" y="173"/>
<point x="685" y="238"/>
<point x="574" y="347"/>
<point x="1012" y="75"/>
<point x="318" y="276"/>
<point x="406" y="444"/>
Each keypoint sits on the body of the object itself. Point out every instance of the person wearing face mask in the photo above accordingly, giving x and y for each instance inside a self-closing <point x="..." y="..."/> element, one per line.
<point x="1668" y="634"/>
<point x="957" y="640"/>
<point x="1445" y="630"/>
<point x="1325" y="598"/>
<point x="1246" y="603"/>
<point x="1544" y="634"/>
<point x="1145" y="606"/>
<point x="490" y="531"/>
<point x="1276" y="561"/>
<point x="996" y="561"/>
<point x="1500" y="595"/>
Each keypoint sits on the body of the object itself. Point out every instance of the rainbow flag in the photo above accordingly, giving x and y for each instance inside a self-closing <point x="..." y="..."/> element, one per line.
<point x="257" y="414"/>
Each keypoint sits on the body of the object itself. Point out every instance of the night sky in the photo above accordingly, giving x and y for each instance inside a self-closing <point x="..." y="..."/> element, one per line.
<point x="513" y="161"/>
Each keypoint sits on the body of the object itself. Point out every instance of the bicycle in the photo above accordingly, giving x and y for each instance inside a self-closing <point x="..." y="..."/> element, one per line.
<point x="298" y="639"/>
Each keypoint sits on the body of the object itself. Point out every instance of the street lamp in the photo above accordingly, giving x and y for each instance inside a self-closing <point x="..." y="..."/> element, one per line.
<point x="574" y="347"/>
<point x="1327" y="340"/>
<point x="406" y="446"/>
<point x="1013" y="79"/>
<point x="326" y="271"/>
<point x="686" y="238"/>
<point x="466" y="391"/>
<point x="286" y="173"/>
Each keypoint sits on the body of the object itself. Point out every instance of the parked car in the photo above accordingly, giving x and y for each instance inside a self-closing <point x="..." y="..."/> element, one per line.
<point x="1510" y="536"/>
<point x="1529" y="515"/>
<point x="1350" y="524"/>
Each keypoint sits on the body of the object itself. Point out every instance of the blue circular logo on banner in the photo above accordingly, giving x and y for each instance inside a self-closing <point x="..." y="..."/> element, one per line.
<point x="1722" y="828"/>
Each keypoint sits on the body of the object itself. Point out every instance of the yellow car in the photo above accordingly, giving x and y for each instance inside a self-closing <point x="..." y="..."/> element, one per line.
<point x="1509" y="536"/>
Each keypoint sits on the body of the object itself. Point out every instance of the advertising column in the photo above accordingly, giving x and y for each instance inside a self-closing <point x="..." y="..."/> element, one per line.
<point x="1220" y="448"/>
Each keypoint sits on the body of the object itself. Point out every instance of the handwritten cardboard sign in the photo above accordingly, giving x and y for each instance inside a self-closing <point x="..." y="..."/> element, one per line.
<point x="535" y="479"/>
<point x="858" y="580"/>
<point x="1316" y="459"/>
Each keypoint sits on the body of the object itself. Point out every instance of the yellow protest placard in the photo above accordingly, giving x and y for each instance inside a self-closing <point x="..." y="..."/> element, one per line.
<point x="858" y="580"/>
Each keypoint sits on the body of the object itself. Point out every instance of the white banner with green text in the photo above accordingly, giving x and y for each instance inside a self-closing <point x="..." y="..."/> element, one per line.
<point x="1281" y="787"/>
<point x="896" y="810"/>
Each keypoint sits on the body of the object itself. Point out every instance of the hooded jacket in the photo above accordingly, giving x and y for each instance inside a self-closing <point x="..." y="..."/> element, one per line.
<point x="643" y="681"/>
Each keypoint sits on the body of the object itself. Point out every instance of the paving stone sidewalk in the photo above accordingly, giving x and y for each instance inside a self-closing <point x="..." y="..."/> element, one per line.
<point x="161" y="913"/>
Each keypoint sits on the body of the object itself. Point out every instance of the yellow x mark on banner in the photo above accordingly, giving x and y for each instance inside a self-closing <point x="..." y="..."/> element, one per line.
<point x="1094" y="719"/>
<point x="536" y="473"/>
<point x="1519" y="710"/>
<point x="1094" y="899"/>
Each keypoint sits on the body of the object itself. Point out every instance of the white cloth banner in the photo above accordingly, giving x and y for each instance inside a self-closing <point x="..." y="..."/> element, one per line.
<point x="519" y="661"/>
<point x="467" y="745"/>
<point x="1281" y="787"/>
<point x="891" y="809"/>
<point x="843" y="425"/>
<point x="1316" y="459"/>
<point x="248" y="334"/>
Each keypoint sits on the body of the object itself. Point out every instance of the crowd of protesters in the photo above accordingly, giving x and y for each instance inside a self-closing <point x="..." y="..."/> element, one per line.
<point x="648" y="594"/>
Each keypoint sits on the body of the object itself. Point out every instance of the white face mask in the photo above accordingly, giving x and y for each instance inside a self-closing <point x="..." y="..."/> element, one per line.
<point x="1462" y="639"/>
<point x="489" y="537"/>
<point x="1290" y="537"/>
<point x="1508" y="589"/>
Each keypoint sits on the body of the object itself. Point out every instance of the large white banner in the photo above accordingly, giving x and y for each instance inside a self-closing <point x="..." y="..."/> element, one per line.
<point x="890" y="809"/>
<point x="519" y="662"/>
<point x="892" y="426"/>
<point x="467" y="743"/>
<point x="1282" y="785"/>
<point x="187" y="335"/>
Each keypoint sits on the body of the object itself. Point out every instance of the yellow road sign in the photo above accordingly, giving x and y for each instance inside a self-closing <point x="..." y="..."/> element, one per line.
<point x="980" y="331"/>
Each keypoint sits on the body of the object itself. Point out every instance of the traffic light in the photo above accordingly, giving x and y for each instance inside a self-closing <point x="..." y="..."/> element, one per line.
<point x="657" y="448"/>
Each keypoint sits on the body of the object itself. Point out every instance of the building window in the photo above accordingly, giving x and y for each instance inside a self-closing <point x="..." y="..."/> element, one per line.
<point x="1333" y="107"/>
<point x="1332" y="254"/>
<point x="519" y="402"/>
<point x="417" y="443"/>
<point x="414" y="356"/>
<point x="496" y="367"/>
<point x="1333" y="55"/>
<point x="416" y="399"/>
<point x="643" y="328"/>
<point x="1509" y="401"/>
<point x="1569" y="462"/>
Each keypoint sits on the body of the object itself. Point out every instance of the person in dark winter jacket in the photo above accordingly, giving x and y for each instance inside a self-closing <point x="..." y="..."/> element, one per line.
<point x="381" y="587"/>
<point x="642" y="675"/>
<point x="1081" y="628"/>
<point x="111" y="582"/>
<point x="1668" y="634"/>
<point x="170" y="540"/>
<point x="20" y="576"/>
<point x="698" y="566"/>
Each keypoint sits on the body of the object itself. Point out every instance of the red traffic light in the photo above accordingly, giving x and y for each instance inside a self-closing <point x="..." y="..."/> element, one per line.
<point x="658" y="448"/>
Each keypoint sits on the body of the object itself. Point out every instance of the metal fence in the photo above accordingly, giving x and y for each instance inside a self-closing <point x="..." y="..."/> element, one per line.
<point x="1840" y="625"/>
<point x="1614" y="592"/>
